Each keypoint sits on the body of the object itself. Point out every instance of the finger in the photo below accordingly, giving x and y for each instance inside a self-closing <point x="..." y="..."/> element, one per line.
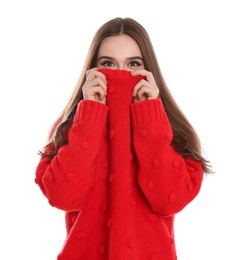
<point x="148" y="93"/>
<point x="98" y="91"/>
<point x="144" y="93"/>
<point x="100" y="82"/>
<point x="94" y="73"/>
<point x="88" y="73"/>
<point x="149" y="76"/>
<point x="137" y="87"/>
<point x="95" y="82"/>
<point x="95" y="93"/>
<point x="144" y="90"/>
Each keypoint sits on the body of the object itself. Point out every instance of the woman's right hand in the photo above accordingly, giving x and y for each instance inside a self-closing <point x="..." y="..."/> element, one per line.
<point x="95" y="87"/>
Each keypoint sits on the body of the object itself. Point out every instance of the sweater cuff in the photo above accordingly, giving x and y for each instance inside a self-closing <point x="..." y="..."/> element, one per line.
<point x="148" y="111"/>
<point x="91" y="111"/>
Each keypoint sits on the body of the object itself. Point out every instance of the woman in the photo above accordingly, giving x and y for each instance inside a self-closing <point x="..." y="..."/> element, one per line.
<point x="121" y="159"/>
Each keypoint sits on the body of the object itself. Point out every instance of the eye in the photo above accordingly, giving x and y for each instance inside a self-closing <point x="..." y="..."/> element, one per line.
<point x="135" y="64"/>
<point x="107" y="63"/>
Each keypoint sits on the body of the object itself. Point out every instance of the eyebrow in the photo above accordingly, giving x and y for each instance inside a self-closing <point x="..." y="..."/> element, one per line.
<point x="129" y="58"/>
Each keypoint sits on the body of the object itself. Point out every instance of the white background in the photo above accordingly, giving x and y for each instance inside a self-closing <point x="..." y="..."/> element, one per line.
<point x="42" y="50"/>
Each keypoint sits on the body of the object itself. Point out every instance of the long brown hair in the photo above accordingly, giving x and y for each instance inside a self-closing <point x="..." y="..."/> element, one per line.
<point x="185" y="139"/>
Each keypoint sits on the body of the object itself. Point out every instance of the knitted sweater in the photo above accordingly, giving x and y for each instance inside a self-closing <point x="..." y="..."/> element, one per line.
<point x="118" y="179"/>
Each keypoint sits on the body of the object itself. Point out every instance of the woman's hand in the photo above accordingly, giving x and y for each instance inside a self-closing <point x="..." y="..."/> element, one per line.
<point x="95" y="86"/>
<point x="145" y="89"/>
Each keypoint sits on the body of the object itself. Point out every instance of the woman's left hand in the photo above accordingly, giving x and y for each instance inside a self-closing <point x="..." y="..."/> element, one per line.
<point x="145" y="89"/>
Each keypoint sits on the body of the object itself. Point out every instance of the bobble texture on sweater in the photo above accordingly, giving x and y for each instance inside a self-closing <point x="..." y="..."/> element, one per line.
<point x="118" y="179"/>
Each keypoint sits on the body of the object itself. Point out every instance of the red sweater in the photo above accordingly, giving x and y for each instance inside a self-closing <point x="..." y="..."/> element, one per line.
<point x="118" y="179"/>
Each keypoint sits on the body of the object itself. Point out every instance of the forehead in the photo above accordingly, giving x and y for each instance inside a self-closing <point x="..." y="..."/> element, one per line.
<point x="120" y="44"/>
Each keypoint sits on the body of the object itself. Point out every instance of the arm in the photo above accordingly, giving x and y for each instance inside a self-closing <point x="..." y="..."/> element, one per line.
<point x="168" y="181"/>
<point x="67" y="179"/>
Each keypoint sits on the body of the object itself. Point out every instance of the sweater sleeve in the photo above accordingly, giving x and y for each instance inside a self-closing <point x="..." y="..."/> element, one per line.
<point x="168" y="181"/>
<point x="67" y="178"/>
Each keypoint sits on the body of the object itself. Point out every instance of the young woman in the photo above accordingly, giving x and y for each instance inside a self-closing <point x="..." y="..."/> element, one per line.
<point x="121" y="159"/>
